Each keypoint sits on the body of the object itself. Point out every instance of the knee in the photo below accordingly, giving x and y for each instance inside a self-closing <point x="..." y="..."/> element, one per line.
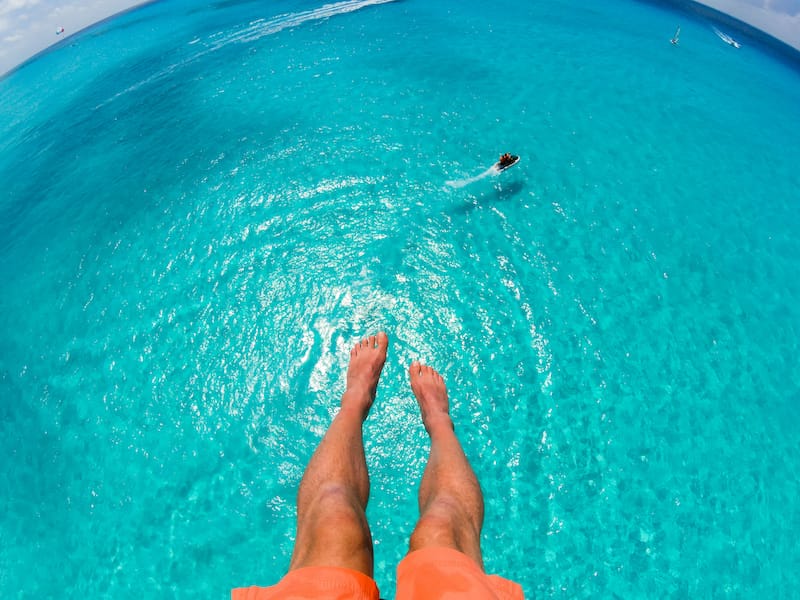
<point x="433" y="530"/>
<point x="332" y="531"/>
<point x="448" y="523"/>
<point x="337" y="518"/>
<point x="441" y="523"/>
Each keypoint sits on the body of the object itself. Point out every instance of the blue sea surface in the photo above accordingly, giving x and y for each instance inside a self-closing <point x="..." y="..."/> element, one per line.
<point x="203" y="205"/>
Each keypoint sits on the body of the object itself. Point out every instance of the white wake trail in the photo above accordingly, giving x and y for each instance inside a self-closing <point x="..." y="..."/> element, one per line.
<point x="251" y="32"/>
<point x="263" y="27"/>
<point x="459" y="183"/>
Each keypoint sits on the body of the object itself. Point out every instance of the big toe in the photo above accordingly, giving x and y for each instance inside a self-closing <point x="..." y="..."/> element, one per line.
<point x="415" y="369"/>
<point x="381" y="340"/>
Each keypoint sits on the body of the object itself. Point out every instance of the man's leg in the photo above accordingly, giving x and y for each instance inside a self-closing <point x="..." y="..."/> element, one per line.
<point x="450" y="498"/>
<point x="332" y="529"/>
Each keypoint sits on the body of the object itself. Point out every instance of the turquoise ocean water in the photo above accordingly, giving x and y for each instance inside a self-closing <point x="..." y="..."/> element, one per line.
<point x="204" y="204"/>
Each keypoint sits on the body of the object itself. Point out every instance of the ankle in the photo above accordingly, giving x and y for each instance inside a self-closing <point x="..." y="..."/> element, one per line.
<point x="438" y="422"/>
<point x="355" y="402"/>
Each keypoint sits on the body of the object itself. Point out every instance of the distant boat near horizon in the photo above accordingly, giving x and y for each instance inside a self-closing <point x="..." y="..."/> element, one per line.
<point x="676" y="38"/>
<point x="727" y="39"/>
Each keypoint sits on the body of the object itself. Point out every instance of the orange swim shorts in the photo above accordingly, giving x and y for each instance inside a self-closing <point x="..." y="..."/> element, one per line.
<point x="427" y="574"/>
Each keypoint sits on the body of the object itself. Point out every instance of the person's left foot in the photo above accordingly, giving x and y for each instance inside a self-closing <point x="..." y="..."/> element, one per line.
<point x="366" y="362"/>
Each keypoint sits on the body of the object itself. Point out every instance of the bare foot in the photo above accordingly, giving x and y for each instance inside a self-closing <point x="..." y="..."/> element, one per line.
<point x="431" y="392"/>
<point x="366" y="362"/>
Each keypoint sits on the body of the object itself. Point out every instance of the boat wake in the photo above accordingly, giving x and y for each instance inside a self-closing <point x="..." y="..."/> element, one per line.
<point x="249" y="33"/>
<point x="460" y="183"/>
<point x="726" y="38"/>
<point x="263" y="27"/>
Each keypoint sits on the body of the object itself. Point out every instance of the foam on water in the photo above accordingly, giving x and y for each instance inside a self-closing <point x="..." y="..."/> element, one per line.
<point x="460" y="183"/>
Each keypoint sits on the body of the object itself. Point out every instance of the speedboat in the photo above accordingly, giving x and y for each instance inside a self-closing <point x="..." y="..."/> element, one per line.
<point x="727" y="39"/>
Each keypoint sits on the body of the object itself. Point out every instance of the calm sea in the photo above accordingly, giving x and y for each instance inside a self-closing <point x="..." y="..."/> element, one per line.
<point x="203" y="205"/>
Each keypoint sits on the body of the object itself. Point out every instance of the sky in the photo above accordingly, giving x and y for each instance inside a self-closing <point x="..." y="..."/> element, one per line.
<point x="29" y="26"/>
<point x="779" y="18"/>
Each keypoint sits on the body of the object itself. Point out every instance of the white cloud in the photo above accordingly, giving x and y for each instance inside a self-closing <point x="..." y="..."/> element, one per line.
<point x="779" y="7"/>
<point x="789" y="7"/>
<point x="10" y="6"/>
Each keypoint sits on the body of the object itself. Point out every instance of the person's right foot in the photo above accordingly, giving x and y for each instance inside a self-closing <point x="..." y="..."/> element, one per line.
<point x="366" y="363"/>
<point x="431" y="393"/>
